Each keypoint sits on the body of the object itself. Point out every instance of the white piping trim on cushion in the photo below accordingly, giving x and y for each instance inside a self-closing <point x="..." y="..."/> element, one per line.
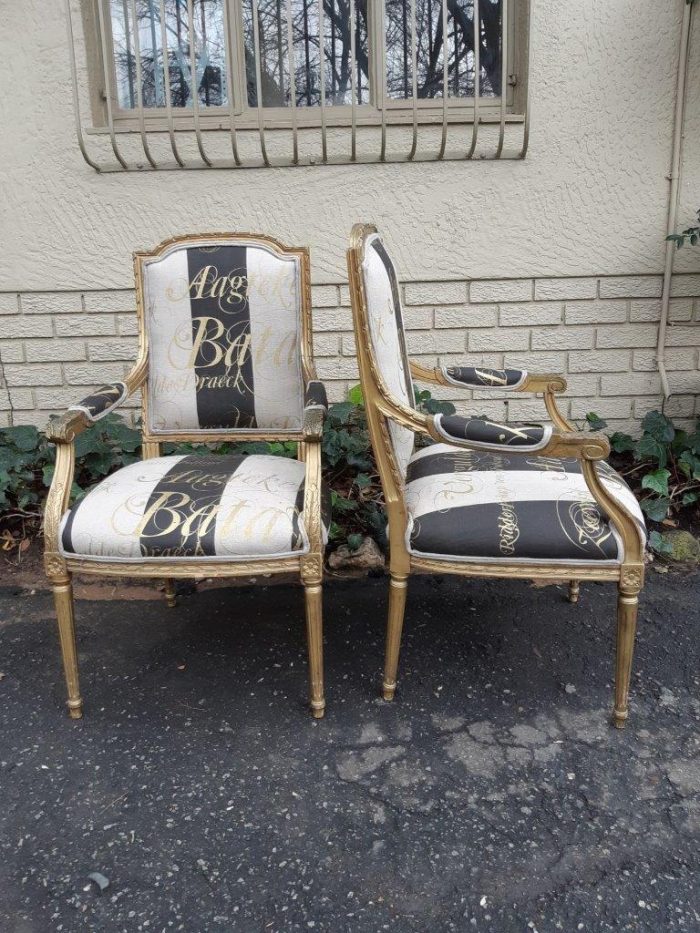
<point x="294" y="434"/>
<point x="247" y="558"/>
<point x="480" y="385"/>
<point x="107" y="410"/>
<point x="481" y="445"/>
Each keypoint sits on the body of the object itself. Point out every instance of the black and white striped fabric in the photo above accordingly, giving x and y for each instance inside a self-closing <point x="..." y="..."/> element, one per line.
<point x="102" y="401"/>
<point x="385" y="318"/>
<point x="224" y="327"/>
<point x="473" y="505"/>
<point x="490" y="435"/>
<point x="213" y="506"/>
<point x="477" y="377"/>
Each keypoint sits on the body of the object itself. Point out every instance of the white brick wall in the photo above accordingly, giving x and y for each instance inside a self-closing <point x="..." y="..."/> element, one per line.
<point x="598" y="332"/>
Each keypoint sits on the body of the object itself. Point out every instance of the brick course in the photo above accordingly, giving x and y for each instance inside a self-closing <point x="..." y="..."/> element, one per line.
<point x="600" y="333"/>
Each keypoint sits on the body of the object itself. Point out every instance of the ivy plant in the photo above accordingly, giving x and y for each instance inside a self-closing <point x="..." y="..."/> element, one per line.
<point x="663" y="468"/>
<point x="690" y="235"/>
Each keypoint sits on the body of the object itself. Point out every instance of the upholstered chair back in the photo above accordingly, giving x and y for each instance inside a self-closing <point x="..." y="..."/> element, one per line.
<point x="387" y="338"/>
<point x="223" y="323"/>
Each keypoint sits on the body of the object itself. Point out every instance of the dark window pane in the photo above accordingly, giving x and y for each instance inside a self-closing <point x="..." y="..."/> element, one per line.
<point x="430" y="48"/>
<point x="275" y="83"/>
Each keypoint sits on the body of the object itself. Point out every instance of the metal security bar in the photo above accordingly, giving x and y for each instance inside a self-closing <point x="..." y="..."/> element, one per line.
<point x="220" y="84"/>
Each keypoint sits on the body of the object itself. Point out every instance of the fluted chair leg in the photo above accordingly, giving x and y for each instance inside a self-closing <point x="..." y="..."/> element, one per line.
<point x="63" y="598"/>
<point x="170" y="593"/>
<point x="313" y="595"/>
<point x="627" y="604"/>
<point x="574" y="591"/>
<point x="397" y="605"/>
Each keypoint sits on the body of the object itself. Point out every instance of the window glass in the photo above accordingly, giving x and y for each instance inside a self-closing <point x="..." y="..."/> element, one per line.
<point x="431" y="48"/>
<point x="275" y="83"/>
<point x="145" y="35"/>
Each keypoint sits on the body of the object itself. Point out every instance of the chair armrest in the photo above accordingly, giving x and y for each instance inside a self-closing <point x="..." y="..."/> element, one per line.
<point x="489" y="435"/>
<point x="315" y="409"/>
<point x="479" y="377"/>
<point x="63" y="431"/>
<point x="315" y="394"/>
<point x="87" y="411"/>
<point x="102" y="401"/>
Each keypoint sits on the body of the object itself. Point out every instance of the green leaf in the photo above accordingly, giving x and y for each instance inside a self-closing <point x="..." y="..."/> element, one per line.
<point x="340" y="504"/>
<point x="47" y="474"/>
<point x="121" y="434"/>
<point x="657" y="481"/>
<point x="335" y="531"/>
<point x="340" y="412"/>
<point x="354" y="541"/>
<point x="648" y="448"/>
<point x="656" y="509"/>
<point x="621" y="443"/>
<point x="363" y="480"/>
<point x="658" y="426"/>
<point x="595" y="423"/>
<point x="659" y="544"/>
<point x="690" y="497"/>
<point x="355" y="395"/>
<point x="435" y="407"/>
<point x="689" y="463"/>
<point x="23" y="436"/>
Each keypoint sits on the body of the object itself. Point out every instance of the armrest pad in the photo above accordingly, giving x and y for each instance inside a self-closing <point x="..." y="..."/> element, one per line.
<point x="476" y="377"/>
<point x="488" y="435"/>
<point x="102" y="401"/>
<point x="315" y="394"/>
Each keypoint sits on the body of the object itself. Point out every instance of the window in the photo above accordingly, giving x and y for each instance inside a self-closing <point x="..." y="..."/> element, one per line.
<point x="302" y="53"/>
<point x="258" y="65"/>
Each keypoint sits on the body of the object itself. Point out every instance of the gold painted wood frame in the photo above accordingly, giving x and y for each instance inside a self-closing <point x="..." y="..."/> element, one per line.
<point x="309" y="565"/>
<point x="382" y="408"/>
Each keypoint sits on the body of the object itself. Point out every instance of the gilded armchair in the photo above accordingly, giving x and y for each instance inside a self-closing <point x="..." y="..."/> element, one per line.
<point x="534" y="501"/>
<point x="225" y="354"/>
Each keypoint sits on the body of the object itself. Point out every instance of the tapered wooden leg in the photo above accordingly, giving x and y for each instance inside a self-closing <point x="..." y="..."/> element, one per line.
<point x="313" y="595"/>
<point x="63" y="597"/>
<point x="170" y="593"/>
<point x="627" y="602"/>
<point x="574" y="591"/>
<point x="397" y="604"/>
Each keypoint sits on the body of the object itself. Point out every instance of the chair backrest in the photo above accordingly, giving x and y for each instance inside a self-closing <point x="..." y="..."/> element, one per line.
<point x="228" y="333"/>
<point x="380" y="310"/>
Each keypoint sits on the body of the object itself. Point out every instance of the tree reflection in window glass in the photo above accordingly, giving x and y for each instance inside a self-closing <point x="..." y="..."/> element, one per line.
<point x="430" y="48"/>
<point x="275" y="84"/>
<point x="209" y="46"/>
<point x="314" y="60"/>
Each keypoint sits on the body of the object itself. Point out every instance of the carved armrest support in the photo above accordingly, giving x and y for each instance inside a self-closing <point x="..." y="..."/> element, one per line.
<point x="65" y="428"/>
<point x="312" y="426"/>
<point x="312" y="563"/>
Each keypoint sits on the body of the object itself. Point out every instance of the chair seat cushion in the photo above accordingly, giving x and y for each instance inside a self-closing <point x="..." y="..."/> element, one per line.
<point x="471" y="504"/>
<point x="222" y="506"/>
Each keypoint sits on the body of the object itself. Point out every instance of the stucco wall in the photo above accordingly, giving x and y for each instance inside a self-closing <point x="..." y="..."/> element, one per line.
<point x="589" y="202"/>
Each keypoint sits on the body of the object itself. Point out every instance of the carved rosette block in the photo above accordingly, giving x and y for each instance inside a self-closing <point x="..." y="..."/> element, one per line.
<point x="632" y="578"/>
<point x="311" y="569"/>
<point x="55" y="566"/>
